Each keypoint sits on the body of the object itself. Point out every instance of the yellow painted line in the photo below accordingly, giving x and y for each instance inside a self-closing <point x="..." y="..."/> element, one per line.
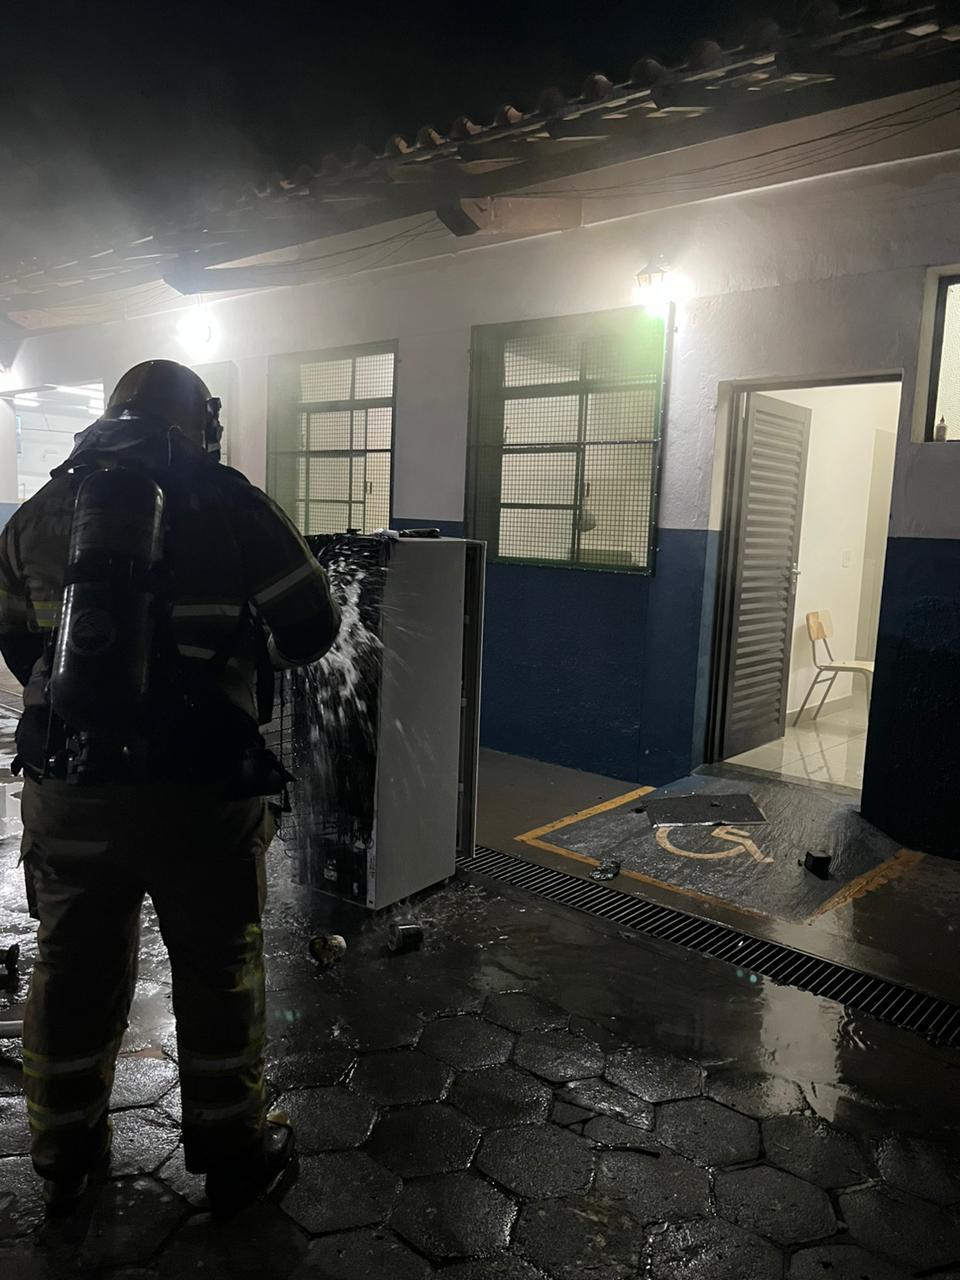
<point x="531" y="837"/>
<point x="887" y="871"/>
<point x="555" y="848"/>
<point x="708" y="899"/>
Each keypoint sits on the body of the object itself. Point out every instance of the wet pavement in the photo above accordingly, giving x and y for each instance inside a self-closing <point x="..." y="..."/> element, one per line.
<point x="753" y="867"/>
<point x="528" y="1097"/>
<point x="886" y="911"/>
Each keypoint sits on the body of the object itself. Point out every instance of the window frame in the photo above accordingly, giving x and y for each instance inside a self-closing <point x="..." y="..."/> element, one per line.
<point x="944" y="283"/>
<point x="281" y="366"/>
<point x="489" y="340"/>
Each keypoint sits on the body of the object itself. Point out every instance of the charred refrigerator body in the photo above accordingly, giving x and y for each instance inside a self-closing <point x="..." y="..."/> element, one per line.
<point x="382" y="734"/>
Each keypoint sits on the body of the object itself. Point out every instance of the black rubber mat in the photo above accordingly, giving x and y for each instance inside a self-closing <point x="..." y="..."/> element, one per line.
<point x="702" y="809"/>
<point x="935" y="1019"/>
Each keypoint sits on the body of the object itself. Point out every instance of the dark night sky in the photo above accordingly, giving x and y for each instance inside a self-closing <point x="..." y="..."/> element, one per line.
<point x="113" y="107"/>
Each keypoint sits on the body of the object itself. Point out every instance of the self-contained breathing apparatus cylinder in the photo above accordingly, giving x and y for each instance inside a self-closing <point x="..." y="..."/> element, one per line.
<point x="102" y="660"/>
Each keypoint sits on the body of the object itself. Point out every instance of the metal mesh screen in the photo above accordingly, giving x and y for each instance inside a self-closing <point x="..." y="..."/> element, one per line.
<point x="331" y="438"/>
<point x="947" y="367"/>
<point x="565" y="436"/>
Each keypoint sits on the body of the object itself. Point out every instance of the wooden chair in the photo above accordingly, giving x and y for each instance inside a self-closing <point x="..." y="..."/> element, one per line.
<point x="820" y="629"/>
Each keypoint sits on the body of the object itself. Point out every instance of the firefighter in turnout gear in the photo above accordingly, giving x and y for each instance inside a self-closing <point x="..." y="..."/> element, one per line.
<point x="159" y="785"/>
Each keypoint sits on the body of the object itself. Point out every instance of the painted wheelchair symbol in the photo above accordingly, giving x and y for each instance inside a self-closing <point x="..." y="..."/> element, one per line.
<point x="737" y="840"/>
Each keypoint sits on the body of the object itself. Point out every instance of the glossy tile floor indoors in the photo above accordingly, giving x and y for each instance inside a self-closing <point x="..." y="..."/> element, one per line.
<point x="828" y="749"/>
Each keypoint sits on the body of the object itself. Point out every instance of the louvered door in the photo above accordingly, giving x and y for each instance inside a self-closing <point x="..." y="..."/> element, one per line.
<point x="767" y="540"/>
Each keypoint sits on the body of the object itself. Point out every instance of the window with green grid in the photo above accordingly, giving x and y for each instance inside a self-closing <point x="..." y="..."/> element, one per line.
<point x="565" y="439"/>
<point x="330" y="437"/>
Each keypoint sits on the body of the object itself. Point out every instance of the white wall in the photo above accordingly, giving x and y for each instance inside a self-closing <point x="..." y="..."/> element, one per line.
<point x="8" y="452"/>
<point x="46" y="439"/>
<point x="875" y="550"/>
<point x="822" y="279"/>
<point x="838" y="496"/>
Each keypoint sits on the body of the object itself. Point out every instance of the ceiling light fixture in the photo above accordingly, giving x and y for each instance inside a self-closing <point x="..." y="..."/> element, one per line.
<point x="196" y="332"/>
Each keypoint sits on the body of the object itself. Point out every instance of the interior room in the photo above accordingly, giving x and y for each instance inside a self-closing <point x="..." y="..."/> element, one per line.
<point x="47" y="419"/>
<point x="843" y="535"/>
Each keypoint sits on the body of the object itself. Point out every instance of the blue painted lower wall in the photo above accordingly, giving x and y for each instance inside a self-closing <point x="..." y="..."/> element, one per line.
<point x="599" y="671"/>
<point x="6" y="511"/>
<point x="912" y="766"/>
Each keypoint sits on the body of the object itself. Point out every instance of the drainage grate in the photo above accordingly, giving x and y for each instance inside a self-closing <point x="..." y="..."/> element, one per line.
<point x="931" y="1017"/>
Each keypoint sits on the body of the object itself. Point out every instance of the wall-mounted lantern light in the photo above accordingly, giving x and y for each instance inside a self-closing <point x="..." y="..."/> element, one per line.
<point x="659" y="286"/>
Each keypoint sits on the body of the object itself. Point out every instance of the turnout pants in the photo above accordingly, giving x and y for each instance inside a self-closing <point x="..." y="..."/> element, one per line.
<point x="90" y="855"/>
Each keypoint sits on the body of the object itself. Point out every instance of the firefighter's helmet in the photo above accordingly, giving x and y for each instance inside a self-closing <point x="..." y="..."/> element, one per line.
<point x="173" y="392"/>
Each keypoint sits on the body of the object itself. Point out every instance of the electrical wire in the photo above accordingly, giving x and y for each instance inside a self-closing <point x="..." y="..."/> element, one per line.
<point x="888" y="120"/>
<point x="774" y="172"/>
<point x="762" y="166"/>
<point x="816" y="147"/>
<point x="357" y="248"/>
<point x="353" y="268"/>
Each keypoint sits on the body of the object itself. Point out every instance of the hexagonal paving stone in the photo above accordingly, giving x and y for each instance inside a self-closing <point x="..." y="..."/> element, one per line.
<point x="439" y="997"/>
<point x="171" y="1106"/>
<point x="190" y="1186"/>
<point x="23" y="1261"/>
<point x="500" y="1096"/>
<point x="306" y="1068"/>
<point x="404" y="1075"/>
<point x="11" y="1069"/>
<point x="328" y="1119"/>
<point x="712" y="1250"/>
<point x="653" y="1076"/>
<point x="337" y="1191"/>
<point x="377" y="1024"/>
<point x="754" y="1094"/>
<point x="457" y="1215"/>
<point x="616" y="1135"/>
<point x="598" y="1033"/>
<point x="600" y="1098"/>
<point x="141" y="1082"/>
<point x="369" y="1254"/>
<point x="20" y="1205"/>
<point x="432" y="1138"/>
<point x="537" y="1162"/>
<point x="814" y="1150"/>
<point x="131" y="1219"/>
<point x="14" y="1129"/>
<point x="566" y="1114"/>
<point x="523" y="1013"/>
<point x="653" y="1188"/>
<point x="841" y="1262"/>
<point x="504" y="1266"/>
<point x="916" y="1233"/>
<point x="559" y="1056"/>
<point x="776" y="1204"/>
<point x="142" y="1141"/>
<point x="466" y="1042"/>
<point x="704" y="1131"/>
<point x="921" y="1169"/>
<point x="260" y="1241"/>
<point x="580" y="1238"/>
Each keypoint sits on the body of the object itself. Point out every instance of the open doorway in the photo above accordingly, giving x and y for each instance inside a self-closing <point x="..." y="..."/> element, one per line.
<point x="807" y="511"/>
